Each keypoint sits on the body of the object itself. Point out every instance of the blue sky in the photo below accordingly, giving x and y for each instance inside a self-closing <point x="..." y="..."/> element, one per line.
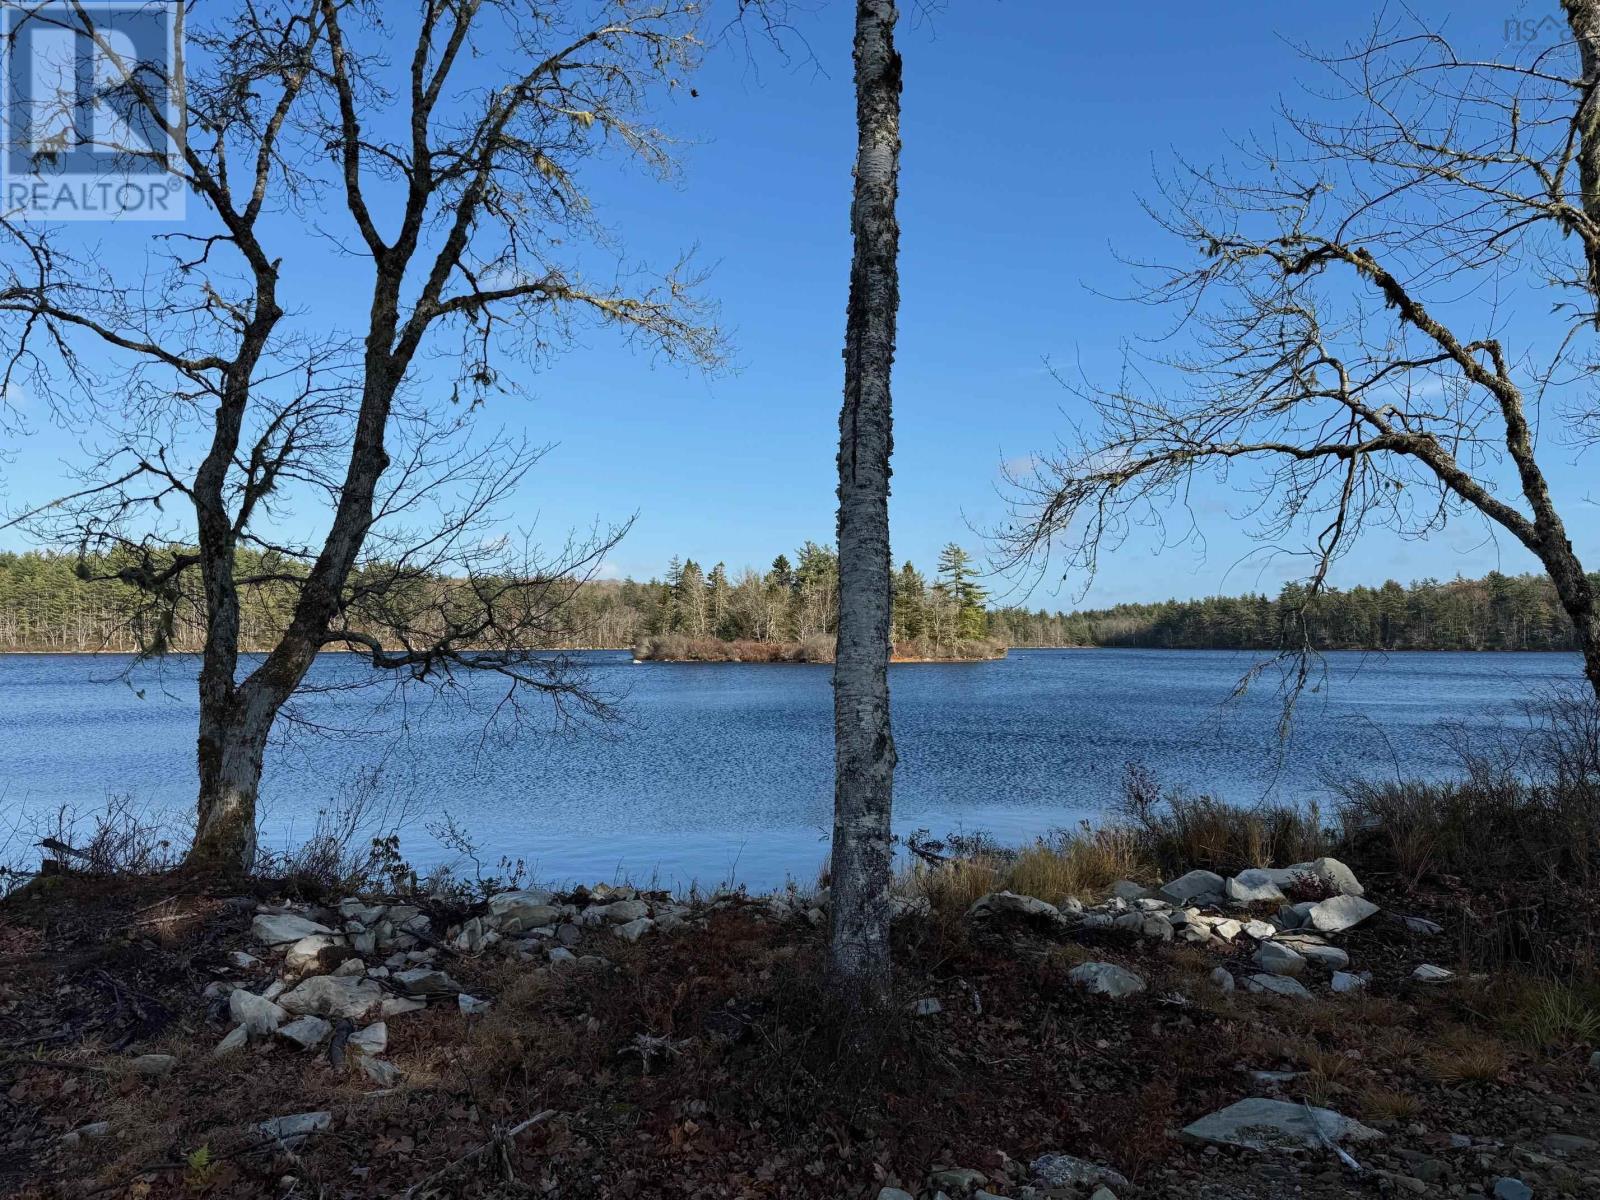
<point x="1031" y="127"/>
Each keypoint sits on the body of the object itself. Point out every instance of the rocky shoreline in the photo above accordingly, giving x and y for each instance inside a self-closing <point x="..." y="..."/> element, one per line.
<point x="359" y="1004"/>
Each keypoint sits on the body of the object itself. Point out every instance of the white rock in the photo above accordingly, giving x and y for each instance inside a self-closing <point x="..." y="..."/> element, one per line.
<point x="1340" y="913"/>
<point x="1105" y="979"/>
<point x="625" y="912"/>
<point x="290" y="1131"/>
<point x="307" y="1032"/>
<point x="242" y="960"/>
<point x="396" y="1006"/>
<point x="334" y="996"/>
<point x="278" y="929"/>
<point x="1428" y="973"/>
<point x="1252" y="887"/>
<point x="256" y="1014"/>
<point x="1280" y="985"/>
<point x="374" y="1039"/>
<point x="471" y="1006"/>
<point x="1227" y="929"/>
<point x="1278" y="959"/>
<point x="350" y="966"/>
<point x="560" y="956"/>
<point x="1261" y="1124"/>
<point x="236" y="1039"/>
<point x="1260" y="930"/>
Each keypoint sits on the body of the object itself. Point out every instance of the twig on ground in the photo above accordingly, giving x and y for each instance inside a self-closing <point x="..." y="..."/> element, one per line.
<point x="499" y="1143"/>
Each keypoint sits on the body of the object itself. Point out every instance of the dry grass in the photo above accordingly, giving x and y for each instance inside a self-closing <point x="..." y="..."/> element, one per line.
<point x="1547" y="1014"/>
<point x="1083" y="865"/>
<point x="1390" y="1104"/>
<point x="1178" y="832"/>
<point x="1469" y="1060"/>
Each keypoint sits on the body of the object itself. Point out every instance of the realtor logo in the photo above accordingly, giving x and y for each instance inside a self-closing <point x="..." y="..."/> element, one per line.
<point x="91" y="116"/>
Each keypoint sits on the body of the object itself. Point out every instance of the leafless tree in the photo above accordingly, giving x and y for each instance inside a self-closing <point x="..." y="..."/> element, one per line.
<point x="1386" y="318"/>
<point x="863" y="741"/>
<point x="436" y="147"/>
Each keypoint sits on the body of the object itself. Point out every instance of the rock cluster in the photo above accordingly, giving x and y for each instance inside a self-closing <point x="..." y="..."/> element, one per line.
<point x="1289" y="950"/>
<point x="366" y="963"/>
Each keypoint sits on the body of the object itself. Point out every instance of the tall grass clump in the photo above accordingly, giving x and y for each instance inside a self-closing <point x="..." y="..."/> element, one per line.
<point x="1177" y="832"/>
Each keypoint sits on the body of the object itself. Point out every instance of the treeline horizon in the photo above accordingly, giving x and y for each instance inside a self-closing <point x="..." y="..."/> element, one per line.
<point x="47" y="605"/>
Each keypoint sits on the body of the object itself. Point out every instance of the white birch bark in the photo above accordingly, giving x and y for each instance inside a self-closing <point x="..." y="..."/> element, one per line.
<point x="863" y="743"/>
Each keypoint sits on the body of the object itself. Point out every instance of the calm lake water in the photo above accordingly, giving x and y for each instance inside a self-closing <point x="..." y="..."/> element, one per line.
<point x="726" y="770"/>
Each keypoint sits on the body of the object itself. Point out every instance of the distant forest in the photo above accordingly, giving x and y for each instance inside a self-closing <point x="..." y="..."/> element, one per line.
<point x="46" y="605"/>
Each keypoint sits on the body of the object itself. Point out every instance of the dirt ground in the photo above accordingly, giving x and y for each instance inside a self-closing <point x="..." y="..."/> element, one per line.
<point x="707" y="1063"/>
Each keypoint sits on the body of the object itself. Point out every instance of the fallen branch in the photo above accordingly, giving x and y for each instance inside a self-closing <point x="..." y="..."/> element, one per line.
<point x="500" y="1143"/>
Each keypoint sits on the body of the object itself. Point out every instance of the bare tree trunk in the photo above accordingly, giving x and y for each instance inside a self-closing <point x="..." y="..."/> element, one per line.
<point x="230" y="752"/>
<point x="863" y="743"/>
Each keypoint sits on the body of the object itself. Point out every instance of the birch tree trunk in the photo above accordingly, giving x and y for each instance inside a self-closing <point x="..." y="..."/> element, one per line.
<point x="863" y="744"/>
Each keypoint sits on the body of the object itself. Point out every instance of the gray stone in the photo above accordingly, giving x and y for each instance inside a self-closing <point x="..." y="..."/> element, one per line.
<point x="427" y="981"/>
<point x="1339" y="913"/>
<point x="289" y="1132"/>
<point x="1568" y="1143"/>
<point x="1278" y="985"/>
<point x="374" y="1039"/>
<point x="1127" y="889"/>
<point x="1260" y="930"/>
<point x="1421" y="925"/>
<point x="1196" y="883"/>
<point x="470" y="938"/>
<point x="279" y="929"/>
<point x="307" y="1032"/>
<point x="1252" y="887"/>
<point x="380" y="1071"/>
<point x="94" y="1129"/>
<point x="1594" y="1062"/>
<point x="1315" y="950"/>
<point x="928" y="1006"/>
<point x="334" y="996"/>
<point x="1062" y="1170"/>
<point x="1428" y="973"/>
<point x="396" y="1006"/>
<point x="1102" y="1193"/>
<point x="890" y="1193"/>
<point x="633" y="930"/>
<point x="1344" y="981"/>
<point x="236" y="1039"/>
<point x="257" y="1014"/>
<point x="624" y="912"/>
<point x="349" y="967"/>
<point x="154" y="1066"/>
<point x="1221" y="979"/>
<point x="1507" y="1188"/>
<point x="1262" y="1124"/>
<point x="560" y="956"/>
<point x="243" y="961"/>
<point x="1009" y="902"/>
<point x="962" y="1179"/>
<point x="1105" y="979"/>
<point x="1278" y="959"/>
<point x="471" y="1006"/>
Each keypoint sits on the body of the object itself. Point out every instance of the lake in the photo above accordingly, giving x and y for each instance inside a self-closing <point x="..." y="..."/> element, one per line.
<point x="723" y="770"/>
